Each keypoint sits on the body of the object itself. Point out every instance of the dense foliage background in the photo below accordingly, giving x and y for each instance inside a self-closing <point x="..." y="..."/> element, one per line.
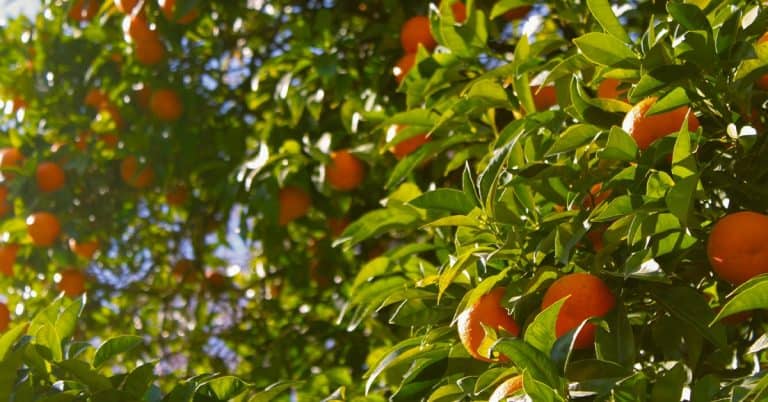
<point x="263" y="202"/>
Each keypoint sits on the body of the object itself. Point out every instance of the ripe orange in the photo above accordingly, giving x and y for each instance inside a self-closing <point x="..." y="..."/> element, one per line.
<point x="647" y="129"/>
<point x="125" y="6"/>
<point x="738" y="246"/>
<point x="184" y="270"/>
<point x="545" y="97"/>
<point x="486" y="311"/>
<point x="345" y="172"/>
<point x="404" y="65"/>
<point x="85" y="249"/>
<point x="406" y="147"/>
<point x="110" y="140"/>
<point x="337" y="226"/>
<point x="18" y="103"/>
<point x="168" y="7"/>
<point x="517" y="13"/>
<point x="459" y="12"/>
<point x="143" y="94"/>
<point x="177" y="195"/>
<point x="609" y="89"/>
<point x="294" y="203"/>
<point x="84" y="10"/>
<point x="508" y="388"/>
<point x="762" y="82"/>
<point x="166" y="105"/>
<point x="589" y="297"/>
<point x="137" y="29"/>
<point x="81" y="140"/>
<point x="8" y="254"/>
<point x="215" y="280"/>
<point x="5" y="317"/>
<point x="44" y="228"/>
<point x="9" y="158"/>
<point x="150" y="52"/>
<point x="72" y="282"/>
<point x="129" y="171"/>
<point x="50" y="177"/>
<point x="95" y="98"/>
<point x="5" y="206"/>
<point x="596" y="196"/>
<point x="595" y="236"/>
<point x="416" y="31"/>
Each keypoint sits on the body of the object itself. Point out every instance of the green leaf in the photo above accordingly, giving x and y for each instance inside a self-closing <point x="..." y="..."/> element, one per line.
<point x="541" y="332"/>
<point x="138" y="381"/>
<point x="690" y="308"/>
<point x="538" y="391"/>
<point x="85" y="374"/>
<point x="9" y="338"/>
<point x="751" y="295"/>
<point x="445" y="199"/>
<point x="621" y="146"/>
<point x="113" y="347"/>
<point x="603" y="13"/>
<point x="226" y="387"/>
<point x="67" y="320"/>
<point x="683" y="160"/>
<point x="377" y="222"/>
<point x="273" y="391"/>
<point x="573" y="137"/>
<point x="680" y="198"/>
<point x="669" y="385"/>
<point x="606" y="50"/>
<point x="526" y="357"/>
<point x="672" y="100"/>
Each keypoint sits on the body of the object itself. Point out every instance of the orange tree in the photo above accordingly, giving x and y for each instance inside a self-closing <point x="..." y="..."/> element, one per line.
<point x="384" y="200"/>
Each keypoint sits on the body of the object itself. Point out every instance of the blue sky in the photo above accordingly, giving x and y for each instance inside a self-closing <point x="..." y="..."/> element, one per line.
<point x="11" y="8"/>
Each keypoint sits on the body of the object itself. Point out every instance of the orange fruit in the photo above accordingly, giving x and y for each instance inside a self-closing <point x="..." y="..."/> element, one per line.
<point x="168" y="7"/>
<point x="126" y="6"/>
<point x="647" y="129"/>
<point x="166" y="105"/>
<point x="545" y="97"/>
<point x="589" y="297"/>
<point x="84" y="10"/>
<point x="345" y="172"/>
<point x="8" y="254"/>
<point x="81" y="140"/>
<point x="50" y="177"/>
<point x="406" y="147"/>
<point x="754" y="120"/>
<point x="738" y="246"/>
<point x="404" y="65"/>
<point x="762" y="82"/>
<point x="459" y="12"/>
<point x="5" y="317"/>
<point x="294" y="203"/>
<point x="129" y="171"/>
<point x="95" y="98"/>
<point x="337" y="226"/>
<point x="487" y="311"/>
<point x="595" y="236"/>
<point x="215" y="280"/>
<point x="507" y="388"/>
<point x="184" y="270"/>
<point x="18" y="103"/>
<point x="44" y="228"/>
<point x="9" y="158"/>
<point x="85" y="249"/>
<point x="143" y="93"/>
<point x="177" y="195"/>
<point x="317" y="276"/>
<point x="72" y="282"/>
<point x="609" y="89"/>
<point x="137" y="29"/>
<point x="517" y="13"/>
<point x="416" y="31"/>
<point x="110" y="140"/>
<point x="150" y="52"/>
<point x="596" y="196"/>
<point x="5" y="206"/>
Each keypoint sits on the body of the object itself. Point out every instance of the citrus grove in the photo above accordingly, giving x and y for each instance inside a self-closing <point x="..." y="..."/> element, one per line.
<point x="369" y="201"/>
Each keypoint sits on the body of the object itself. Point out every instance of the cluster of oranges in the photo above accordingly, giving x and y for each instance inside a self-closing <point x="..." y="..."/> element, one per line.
<point x="43" y="227"/>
